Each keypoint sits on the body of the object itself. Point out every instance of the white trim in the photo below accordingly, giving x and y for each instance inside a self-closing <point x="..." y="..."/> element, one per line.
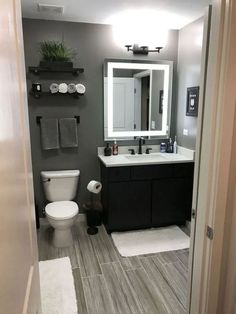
<point x="142" y="74"/>
<point x="214" y="183"/>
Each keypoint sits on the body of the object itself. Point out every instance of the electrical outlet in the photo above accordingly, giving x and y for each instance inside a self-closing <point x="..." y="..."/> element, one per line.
<point x="185" y="132"/>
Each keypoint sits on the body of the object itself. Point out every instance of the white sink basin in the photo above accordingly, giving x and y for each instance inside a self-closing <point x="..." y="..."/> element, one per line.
<point x="146" y="157"/>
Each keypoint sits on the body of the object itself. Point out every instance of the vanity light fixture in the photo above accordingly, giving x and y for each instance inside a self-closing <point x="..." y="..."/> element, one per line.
<point x="142" y="50"/>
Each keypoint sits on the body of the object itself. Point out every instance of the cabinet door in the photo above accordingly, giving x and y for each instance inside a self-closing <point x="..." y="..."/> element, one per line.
<point x="129" y="205"/>
<point x="171" y="201"/>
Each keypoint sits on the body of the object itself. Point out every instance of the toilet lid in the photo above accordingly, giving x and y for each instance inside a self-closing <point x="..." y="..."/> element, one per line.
<point x="62" y="210"/>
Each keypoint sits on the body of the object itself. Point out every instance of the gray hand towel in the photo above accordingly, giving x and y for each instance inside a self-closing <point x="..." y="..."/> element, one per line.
<point x="68" y="132"/>
<point x="49" y="134"/>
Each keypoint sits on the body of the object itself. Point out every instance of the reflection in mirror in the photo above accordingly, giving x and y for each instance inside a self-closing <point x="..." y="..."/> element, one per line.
<point x="137" y="99"/>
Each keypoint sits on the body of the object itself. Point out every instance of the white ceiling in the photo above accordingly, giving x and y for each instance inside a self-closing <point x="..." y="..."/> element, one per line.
<point x="177" y="12"/>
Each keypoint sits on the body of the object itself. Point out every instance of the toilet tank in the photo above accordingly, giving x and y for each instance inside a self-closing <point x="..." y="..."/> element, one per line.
<point x="60" y="185"/>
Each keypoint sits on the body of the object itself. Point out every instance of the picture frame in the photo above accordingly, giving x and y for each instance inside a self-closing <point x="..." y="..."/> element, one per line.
<point x="161" y="95"/>
<point x="192" y="101"/>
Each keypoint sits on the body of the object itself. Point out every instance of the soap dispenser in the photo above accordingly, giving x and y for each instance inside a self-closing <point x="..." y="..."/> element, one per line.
<point x="107" y="150"/>
<point x="115" y="148"/>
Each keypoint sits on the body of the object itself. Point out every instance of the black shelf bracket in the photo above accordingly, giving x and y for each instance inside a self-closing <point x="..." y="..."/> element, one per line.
<point x="38" y="119"/>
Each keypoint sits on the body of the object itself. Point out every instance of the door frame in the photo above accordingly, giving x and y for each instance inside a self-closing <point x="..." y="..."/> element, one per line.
<point x="214" y="161"/>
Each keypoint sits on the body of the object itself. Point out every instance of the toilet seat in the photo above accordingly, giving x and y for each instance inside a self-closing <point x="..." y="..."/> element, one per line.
<point x="62" y="210"/>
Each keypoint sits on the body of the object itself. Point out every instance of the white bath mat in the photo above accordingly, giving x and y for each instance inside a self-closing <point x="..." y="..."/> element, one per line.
<point x="57" y="287"/>
<point x="132" y="243"/>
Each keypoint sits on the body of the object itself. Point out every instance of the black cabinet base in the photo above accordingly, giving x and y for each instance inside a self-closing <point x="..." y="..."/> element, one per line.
<point x="140" y="197"/>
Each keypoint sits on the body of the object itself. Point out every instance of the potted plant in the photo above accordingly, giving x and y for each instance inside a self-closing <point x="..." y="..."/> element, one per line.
<point x="55" y="55"/>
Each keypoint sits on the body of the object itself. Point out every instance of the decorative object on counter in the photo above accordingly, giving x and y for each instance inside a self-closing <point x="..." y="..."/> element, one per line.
<point x="163" y="147"/>
<point x="107" y="150"/>
<point x="175" y="151"/>
<point x="54" y="88"/>
<point x="63" y="88"/>
<point x="115" y="148"/>
<point x="93" y="208"/>
<point x="80" y="88"/>
<point x="192" y="101"/>
<point x="169" y="148"/>
<point x="71" y="88"/>
<point x="56" y="55"/>
<point x="49" y="133"/>
<point x="68" y="132"/>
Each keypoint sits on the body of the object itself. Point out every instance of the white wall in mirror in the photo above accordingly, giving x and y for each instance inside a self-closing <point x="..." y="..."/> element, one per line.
<point x="137" y="99"/>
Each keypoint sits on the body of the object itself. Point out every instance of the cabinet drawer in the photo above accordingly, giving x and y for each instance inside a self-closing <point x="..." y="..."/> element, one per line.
<point x="183" y="170"/>
<point x="118" y="174"/>
<point x="151" y="172"/>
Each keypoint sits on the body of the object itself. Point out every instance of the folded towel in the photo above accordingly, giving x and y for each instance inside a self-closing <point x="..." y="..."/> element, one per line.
<point x="68" y="132"/>
<point x="80" y="88"/>
<point x="49" y="133"/>
<point x="54" y="88"/>
<point x="71" y="88"/>
<point x="63" y="88"/>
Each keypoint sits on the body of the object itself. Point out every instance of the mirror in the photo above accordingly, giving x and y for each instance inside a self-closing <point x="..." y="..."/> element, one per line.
<point x="137" y="98"/>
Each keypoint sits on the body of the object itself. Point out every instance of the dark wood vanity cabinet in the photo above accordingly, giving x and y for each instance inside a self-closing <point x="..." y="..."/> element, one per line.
<point x="136" y="197"/>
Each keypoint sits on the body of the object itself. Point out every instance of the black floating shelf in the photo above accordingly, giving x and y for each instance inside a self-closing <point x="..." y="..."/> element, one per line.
<point x="38" y="95"/>
<point x="38" y="70"/>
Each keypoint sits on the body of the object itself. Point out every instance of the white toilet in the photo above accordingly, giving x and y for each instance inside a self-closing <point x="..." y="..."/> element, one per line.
<point x="60" y="188"/>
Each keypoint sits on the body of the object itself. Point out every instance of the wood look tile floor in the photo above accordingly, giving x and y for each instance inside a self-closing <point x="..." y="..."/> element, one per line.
<point x="107" y="283"/>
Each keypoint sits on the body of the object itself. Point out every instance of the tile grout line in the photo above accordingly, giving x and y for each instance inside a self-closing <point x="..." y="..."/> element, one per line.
<point x="86" y="302"/>
<point x="131" y="287"/>
<point x="182" y="262"/>
<point x="161" y="273"/>
<point x="172" y="289"/>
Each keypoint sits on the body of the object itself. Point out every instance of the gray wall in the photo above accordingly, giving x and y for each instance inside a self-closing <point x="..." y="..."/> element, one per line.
<point x="189" y="63"/>
<point x="93" y="43"/>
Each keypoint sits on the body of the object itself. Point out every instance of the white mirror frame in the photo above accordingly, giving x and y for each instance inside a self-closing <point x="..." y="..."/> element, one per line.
<point x="167" y="67"/>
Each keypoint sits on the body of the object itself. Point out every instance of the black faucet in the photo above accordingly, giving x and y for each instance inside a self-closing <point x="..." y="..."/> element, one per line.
<point x="141" y="141"/>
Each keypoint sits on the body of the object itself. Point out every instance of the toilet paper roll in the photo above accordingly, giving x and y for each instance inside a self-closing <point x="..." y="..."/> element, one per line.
<point x="94" y="186"/>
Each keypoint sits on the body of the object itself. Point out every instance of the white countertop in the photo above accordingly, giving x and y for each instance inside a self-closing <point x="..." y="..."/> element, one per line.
<point x="147" y="159"/>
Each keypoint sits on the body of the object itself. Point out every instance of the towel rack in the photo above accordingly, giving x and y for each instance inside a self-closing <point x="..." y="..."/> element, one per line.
<point x="38" y="118"/>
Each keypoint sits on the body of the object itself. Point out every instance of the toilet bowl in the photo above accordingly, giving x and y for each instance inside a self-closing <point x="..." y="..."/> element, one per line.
<point x="61" y="216"/>
<point x="60" y="189"/>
